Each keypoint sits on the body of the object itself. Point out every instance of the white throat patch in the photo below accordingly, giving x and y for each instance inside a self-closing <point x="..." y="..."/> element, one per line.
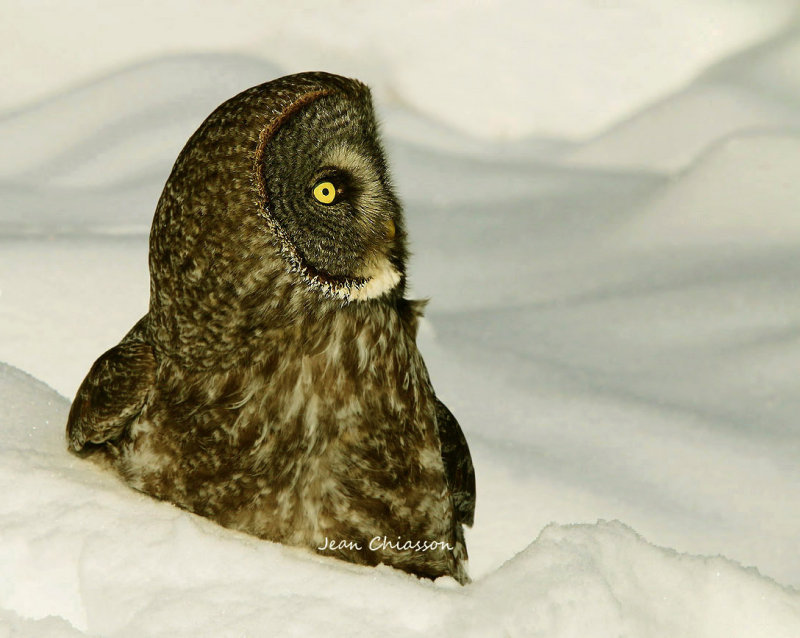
<point x="374" y="286"/>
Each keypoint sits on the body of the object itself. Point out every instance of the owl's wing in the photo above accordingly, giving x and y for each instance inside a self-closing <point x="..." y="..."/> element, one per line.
<point x="457" y="464"/>
<point x="113" y="393"/>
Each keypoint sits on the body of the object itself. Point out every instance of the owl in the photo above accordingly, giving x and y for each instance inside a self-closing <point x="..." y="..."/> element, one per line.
<point x="275" y="385"/>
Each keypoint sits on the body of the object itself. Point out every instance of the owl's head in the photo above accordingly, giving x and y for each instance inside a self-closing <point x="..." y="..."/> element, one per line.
<point x="279" y="206"/>
<point x="326" y="193"/>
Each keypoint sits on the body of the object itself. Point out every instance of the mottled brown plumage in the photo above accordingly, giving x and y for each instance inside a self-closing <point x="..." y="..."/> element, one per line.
<point x="275" y="385"/>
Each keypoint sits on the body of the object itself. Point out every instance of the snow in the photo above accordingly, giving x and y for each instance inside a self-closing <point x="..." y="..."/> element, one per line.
<point x="614" y="319"/>
<point x="720" y="199"/>
<point x="488" y="68"/>
<point x="755" y="91"/>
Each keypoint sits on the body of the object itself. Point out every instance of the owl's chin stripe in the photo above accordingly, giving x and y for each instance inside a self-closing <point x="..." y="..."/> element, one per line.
<point x="374" y="286"/>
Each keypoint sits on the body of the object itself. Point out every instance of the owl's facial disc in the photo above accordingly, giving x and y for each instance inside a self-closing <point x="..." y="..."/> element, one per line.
<point x="329" y="200"/>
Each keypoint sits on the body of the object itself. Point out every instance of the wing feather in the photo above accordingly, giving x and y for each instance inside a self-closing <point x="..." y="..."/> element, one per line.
<point x="458" y="467"/>
<point x="113" y="393"/>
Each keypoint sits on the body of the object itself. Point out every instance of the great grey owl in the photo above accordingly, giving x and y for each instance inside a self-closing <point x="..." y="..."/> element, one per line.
<point x="275" y="384"/>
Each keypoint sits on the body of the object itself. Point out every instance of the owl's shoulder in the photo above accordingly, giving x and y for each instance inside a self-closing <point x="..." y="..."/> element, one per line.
<point x="410" y="311"/>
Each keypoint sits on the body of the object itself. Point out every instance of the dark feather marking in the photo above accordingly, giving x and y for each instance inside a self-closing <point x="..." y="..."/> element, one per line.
<point x="457" y="464"/>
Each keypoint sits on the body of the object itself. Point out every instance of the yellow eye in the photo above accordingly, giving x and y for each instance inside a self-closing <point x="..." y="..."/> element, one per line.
<point x="325" y="192"/>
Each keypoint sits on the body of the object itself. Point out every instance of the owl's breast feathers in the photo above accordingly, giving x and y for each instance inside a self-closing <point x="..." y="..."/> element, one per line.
<point x="329" y="432"/>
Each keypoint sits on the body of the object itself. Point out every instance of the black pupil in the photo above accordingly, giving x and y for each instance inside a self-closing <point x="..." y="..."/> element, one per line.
<point x="325" y="192"/>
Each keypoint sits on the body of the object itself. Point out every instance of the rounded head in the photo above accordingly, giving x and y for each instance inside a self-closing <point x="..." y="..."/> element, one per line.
<point x="280" y="200"/>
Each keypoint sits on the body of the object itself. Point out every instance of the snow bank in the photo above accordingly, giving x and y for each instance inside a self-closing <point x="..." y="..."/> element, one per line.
<point x="671" y="134"/>
<point x="81" y="552"/>
<point x="501" y="69"/>
<point x="605" y="580"/>
<point x="741" y="192"/>
<point x="66" y="299"/>
<point x="755" y="92"/>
